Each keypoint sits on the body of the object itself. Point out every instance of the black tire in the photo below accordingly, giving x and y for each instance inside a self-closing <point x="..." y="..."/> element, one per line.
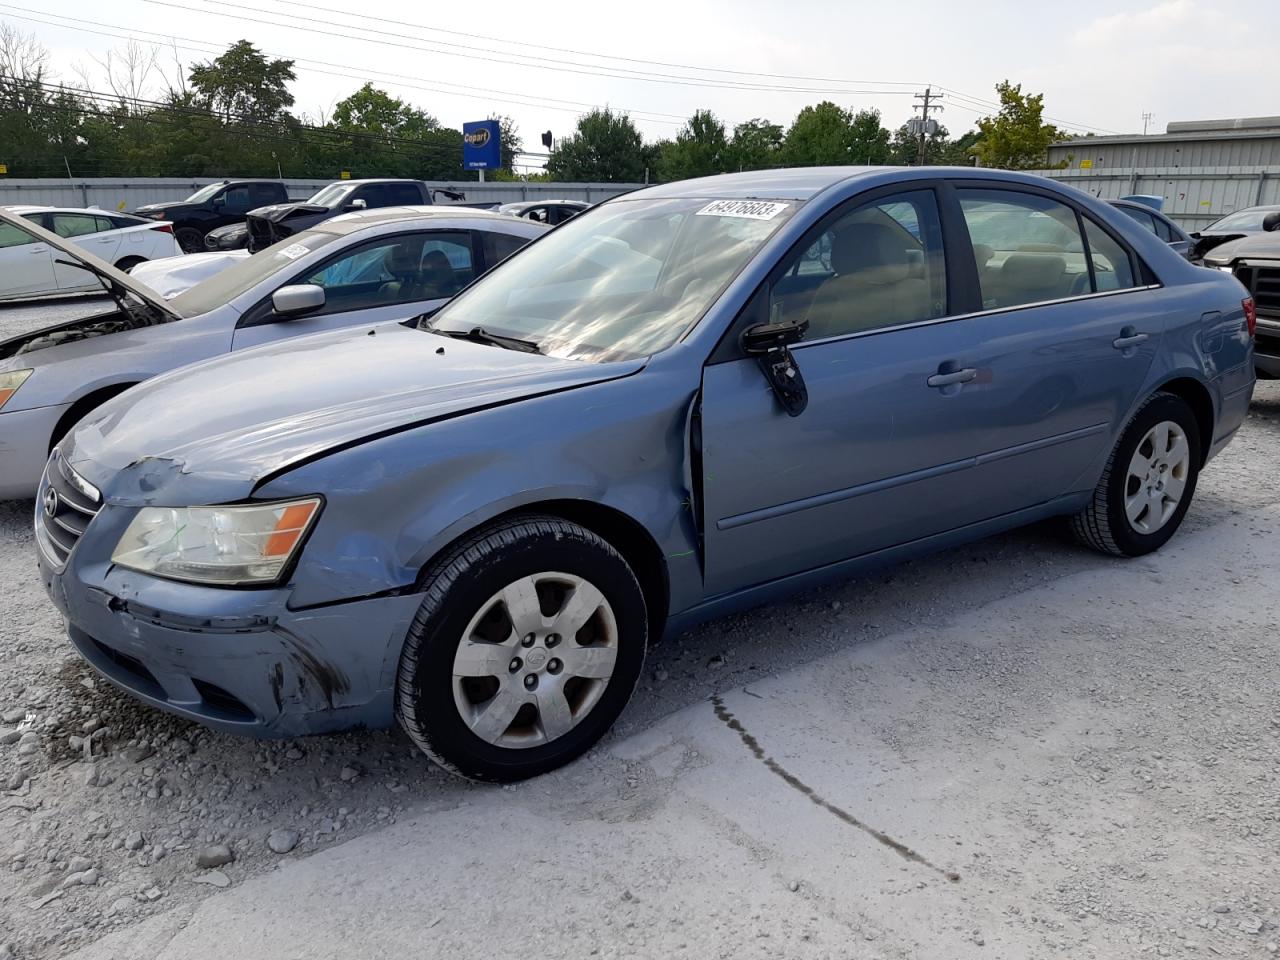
<point x="189" y="239"/>
<point x="128" y="263"/>
<point x="1103" y="524"/>
<point x="459" y="585"/>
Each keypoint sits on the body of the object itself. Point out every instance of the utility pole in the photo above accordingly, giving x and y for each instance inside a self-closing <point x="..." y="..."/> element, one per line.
<point x="1146" y="119"/>
<point x="928" y="101"/>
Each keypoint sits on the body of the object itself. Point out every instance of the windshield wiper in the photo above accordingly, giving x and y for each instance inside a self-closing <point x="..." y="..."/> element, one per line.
<point x="481" y="335"/>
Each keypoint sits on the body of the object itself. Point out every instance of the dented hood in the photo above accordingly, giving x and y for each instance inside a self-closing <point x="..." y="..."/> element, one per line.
<point x="210" y="432"/>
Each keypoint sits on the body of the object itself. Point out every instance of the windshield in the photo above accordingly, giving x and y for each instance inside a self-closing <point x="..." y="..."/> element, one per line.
<point x="1240" y="220"/>
<point x="204" y="193"/>
<point x="225" y="286"/>
<point x="625" y="280"/>
<point x="331" y="195"/>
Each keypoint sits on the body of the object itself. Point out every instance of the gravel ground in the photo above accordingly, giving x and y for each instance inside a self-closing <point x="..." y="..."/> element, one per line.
<point x="114" y="812"/>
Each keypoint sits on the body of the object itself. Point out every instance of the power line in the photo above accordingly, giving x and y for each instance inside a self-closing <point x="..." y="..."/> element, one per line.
<point x="581" y="53"/>
<point x="600" y="56"/>
<point x="207" y="49"/>
<point x="581" y="69"/>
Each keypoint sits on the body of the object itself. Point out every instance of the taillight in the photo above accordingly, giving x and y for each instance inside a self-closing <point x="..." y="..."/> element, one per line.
<point x="1250" y="314"/>
<point x="164" y="228"/>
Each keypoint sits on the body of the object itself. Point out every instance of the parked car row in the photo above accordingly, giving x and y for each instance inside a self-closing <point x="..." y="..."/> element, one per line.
<point x="392" y="495"/>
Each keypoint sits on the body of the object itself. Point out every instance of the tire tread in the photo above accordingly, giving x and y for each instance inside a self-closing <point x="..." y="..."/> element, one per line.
<point x="440" y="579"/>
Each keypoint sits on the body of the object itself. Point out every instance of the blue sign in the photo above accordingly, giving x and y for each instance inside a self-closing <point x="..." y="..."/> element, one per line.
<point x="481" y="145"/>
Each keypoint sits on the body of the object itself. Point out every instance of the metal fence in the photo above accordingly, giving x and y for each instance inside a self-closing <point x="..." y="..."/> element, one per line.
<point x="1193" y="196"/>
<point x="126" y="193"/>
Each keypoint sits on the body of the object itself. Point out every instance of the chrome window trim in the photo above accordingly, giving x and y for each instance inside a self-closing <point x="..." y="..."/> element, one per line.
<point x="969" y="316"/>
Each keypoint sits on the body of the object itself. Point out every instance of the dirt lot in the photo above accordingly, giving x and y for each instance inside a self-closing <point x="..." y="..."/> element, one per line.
<point x="111" y="813"/>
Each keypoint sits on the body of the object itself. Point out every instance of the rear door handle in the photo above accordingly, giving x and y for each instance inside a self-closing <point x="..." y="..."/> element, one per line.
<point x="952" y="377"/>
<point x="1129" y="337"/>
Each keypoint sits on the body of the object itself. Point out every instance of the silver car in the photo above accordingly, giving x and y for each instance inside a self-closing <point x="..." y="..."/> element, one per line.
<point x="380" y="265"/>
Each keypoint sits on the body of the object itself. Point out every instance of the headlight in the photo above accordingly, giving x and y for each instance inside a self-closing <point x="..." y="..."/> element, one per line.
<point x="238" y="544"/>
<point x="9" y="384"/>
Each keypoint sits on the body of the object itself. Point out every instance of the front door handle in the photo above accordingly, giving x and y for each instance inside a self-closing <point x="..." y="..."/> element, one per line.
<point x="952" y="377"/>
<point x="1129" y="337"/>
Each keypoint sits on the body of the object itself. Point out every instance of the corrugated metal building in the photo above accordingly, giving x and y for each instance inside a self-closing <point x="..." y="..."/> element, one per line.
<point x="1248" y="142"/>
<point x="1204" y="169"/>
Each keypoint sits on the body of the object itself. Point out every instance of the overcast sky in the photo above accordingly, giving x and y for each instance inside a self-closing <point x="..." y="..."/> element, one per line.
<point x="1100" y="65"/>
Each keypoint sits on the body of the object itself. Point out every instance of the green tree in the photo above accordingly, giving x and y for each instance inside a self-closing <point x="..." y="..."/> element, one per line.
<point x="941" y="150"/>
<point x="1016" y="138"/>
<point x="383" y="135"/>
<point x="756" y="145"/>
<point x="699" y="149"/>
<point x="826" y="134"/>
<point x="869" y="141"/>
<point x="605" y="146"/>
<point x="244" y="83"/>
<point x="509" y="135"/>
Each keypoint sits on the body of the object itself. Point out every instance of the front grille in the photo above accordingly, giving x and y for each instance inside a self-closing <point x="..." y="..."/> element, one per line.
<point x="1266" y="288"/>
<point x="65" y="505"/>
<point x="1264" y="284"/>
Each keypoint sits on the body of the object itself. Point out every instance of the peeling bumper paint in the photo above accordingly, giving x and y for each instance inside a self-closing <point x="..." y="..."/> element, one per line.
<point x="238" y="661"/>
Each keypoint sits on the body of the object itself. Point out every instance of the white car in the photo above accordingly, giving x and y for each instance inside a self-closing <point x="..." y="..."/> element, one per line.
<point x="174" y="275"/>
<point x="29" y="268"/>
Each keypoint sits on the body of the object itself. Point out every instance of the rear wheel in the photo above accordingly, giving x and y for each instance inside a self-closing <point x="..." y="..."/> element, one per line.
<point x="1147" y="485"/>
<point x="526" y="648"/>
<point x="128" y="263"/>
<point x="189" y="239"/>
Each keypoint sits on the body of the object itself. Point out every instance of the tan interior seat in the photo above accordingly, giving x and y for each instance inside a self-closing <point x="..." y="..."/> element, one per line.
<point x="872" y="286"/>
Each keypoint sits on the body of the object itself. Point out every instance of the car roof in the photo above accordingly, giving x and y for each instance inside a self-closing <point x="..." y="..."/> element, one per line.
<point x="379" y="180"/>
<point x="803" y="183"/>
<point x="357" y="220"/>
<point x="22" y="208"/>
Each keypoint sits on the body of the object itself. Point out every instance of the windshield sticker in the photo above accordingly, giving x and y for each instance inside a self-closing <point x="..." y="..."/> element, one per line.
<point x="748" y="209"/>
<point x="294" y="250"/>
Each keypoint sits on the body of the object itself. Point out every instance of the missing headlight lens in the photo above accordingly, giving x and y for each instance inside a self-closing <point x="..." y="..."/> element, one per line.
<point x="228" y="546"/>
<point x="9" y="384"/>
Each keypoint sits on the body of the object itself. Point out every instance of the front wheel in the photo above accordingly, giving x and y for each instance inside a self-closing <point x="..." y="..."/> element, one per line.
<point x="189" y="239"/>
<point x="526" y="648"/>
<point x="1148" y="482"/>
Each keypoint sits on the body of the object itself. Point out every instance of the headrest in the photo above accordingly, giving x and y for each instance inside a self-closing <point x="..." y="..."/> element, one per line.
<point x="1033" y="269"/>
<point x="871" y="251"/>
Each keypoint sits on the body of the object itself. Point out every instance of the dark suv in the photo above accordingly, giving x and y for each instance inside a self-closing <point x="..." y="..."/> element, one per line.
<point x="212" y="206"/>
<point x="277" y="221"/>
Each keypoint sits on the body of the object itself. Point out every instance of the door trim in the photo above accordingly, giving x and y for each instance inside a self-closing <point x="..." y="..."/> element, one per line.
<point x="927" y="473"/>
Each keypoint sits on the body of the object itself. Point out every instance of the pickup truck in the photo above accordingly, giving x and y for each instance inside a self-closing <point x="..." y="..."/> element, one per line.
<point x="276" y="221"/>
<point x="212" y="206"/>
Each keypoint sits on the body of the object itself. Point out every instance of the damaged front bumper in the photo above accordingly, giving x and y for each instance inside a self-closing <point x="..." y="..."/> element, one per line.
<point x="237" y="660"/>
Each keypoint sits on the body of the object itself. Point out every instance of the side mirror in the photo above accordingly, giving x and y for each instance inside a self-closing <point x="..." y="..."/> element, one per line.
<point x="294" y="301"/>
<point x="1271" y="221"/>
<point x="218" y="202"/>
<point x="355" y="205"/>
<point x="764" y="337"/>
<point x="768" y="343"/>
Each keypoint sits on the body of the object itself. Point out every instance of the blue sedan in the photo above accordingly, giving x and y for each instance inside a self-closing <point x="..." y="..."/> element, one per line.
<point x="683" y="402"/>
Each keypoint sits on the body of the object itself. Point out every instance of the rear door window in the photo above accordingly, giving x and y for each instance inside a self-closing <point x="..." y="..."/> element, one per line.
<point x="1027" y="247"/>
<point x="11" y="236"/>
<point x="1142" y="217"/>
<point x="498" y="246"/>
<point x="78" y="224"/>
<point x="1112" y="268"/>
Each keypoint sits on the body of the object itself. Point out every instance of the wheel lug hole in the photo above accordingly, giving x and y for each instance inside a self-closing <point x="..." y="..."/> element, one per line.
<point x="552" y="639"/>
<point x="553" y="665"/>
<point x="531" y="681"/>
<point x="528" y="640"/>
<point x="515" y="664"/>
